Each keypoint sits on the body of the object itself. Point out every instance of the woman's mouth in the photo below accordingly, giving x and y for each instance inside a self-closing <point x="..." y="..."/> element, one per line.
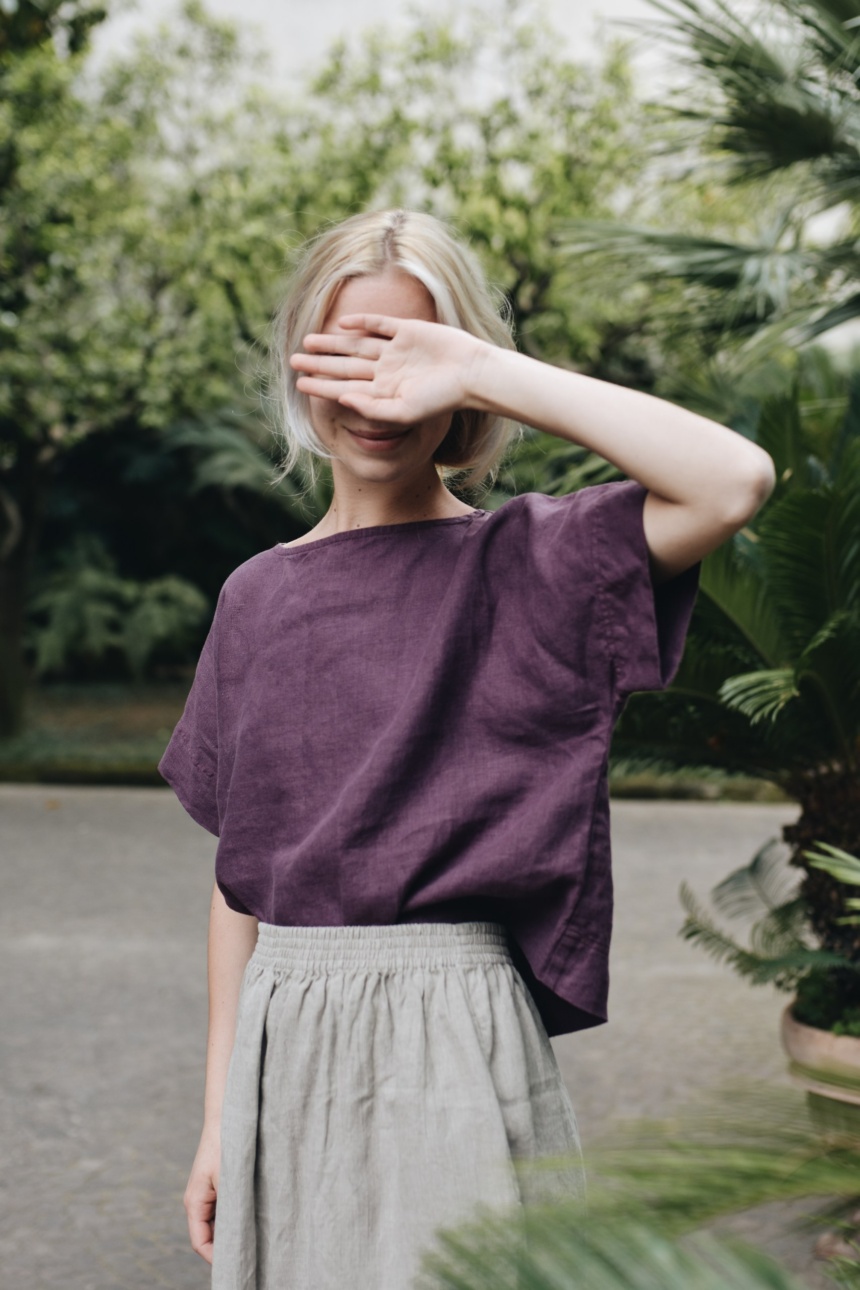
<point x="378" y="441"/>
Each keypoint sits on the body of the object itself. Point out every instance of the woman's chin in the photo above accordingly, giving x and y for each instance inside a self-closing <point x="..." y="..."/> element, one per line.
<point x="380" y="468"/>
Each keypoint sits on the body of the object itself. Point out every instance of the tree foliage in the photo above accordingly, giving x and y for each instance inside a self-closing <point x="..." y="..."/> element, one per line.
<point x="142" y="255"/>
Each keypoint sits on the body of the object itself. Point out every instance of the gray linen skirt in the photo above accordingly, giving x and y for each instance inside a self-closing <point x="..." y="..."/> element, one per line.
<point x="385" y="1081"/>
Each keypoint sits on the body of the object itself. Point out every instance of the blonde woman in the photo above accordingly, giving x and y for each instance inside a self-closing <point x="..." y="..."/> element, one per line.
<point x="398" y="730"/>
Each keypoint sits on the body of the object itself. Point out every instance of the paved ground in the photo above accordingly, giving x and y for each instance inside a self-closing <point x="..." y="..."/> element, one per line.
<point x="103" y="949"/>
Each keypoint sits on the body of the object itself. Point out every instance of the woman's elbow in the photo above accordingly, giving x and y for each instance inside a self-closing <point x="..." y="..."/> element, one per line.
<point x="755" y="482"/>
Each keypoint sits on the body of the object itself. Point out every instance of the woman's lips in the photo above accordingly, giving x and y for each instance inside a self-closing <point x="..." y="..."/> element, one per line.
<point x="378" y="442"/>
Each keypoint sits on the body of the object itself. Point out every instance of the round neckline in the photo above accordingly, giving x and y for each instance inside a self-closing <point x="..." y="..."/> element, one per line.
<point x="376" y="530"/>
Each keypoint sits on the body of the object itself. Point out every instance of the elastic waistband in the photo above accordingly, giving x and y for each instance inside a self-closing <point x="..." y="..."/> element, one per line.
<point x="374" y="946"/>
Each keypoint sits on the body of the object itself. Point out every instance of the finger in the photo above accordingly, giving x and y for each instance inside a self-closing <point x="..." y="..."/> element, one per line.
<point x="320" y="387"/>
<point x="343" y="343"/>
<point x="200" y="1231"/>
<point x="334" y="366"/>
<point x="374" y="324"/>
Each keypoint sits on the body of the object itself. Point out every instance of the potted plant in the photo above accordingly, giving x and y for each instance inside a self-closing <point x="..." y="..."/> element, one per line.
<point x="821" y="1024"/>
<point x="820" y="1032"/>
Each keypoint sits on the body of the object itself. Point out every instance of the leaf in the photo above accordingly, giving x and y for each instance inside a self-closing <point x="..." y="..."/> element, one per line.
<point x="833" y="860"/>
<point x="783" y="969"/>
<point x="760" y="695"/>
<point x="743" y="596"/>
<point x="167" y="610"/>
<point x="767" y="882"/>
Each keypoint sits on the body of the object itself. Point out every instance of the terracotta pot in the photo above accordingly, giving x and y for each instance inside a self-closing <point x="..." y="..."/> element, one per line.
<point x="825" y="1064"/>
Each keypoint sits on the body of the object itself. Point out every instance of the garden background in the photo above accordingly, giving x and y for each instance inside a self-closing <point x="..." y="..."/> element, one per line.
<point x="692" y="233"/>
<point x="143" y="258"/>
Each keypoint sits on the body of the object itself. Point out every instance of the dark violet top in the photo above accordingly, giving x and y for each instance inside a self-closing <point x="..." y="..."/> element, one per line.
<point x="411" y="722"/>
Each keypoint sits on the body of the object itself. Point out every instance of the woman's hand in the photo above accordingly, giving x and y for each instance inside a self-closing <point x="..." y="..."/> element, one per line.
<point x="201" y="1194"/>
<point x="398" y="370"/>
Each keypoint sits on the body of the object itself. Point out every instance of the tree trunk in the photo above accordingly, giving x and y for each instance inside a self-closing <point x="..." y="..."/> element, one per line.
<point x="21" y="498"/>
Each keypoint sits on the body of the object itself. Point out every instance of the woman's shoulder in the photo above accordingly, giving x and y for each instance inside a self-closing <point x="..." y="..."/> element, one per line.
<point x="611" y="496"/>
<point x="252" y="577"/>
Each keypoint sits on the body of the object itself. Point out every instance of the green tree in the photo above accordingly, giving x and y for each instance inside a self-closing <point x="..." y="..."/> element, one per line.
<point x="134" y="263"/>
<point x="482" y="119"/>
<point x="28" y="24"/>
<point x="144" y="255"/>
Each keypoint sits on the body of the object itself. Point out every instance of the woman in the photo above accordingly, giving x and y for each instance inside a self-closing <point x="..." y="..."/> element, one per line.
<point x="399" y="729"/>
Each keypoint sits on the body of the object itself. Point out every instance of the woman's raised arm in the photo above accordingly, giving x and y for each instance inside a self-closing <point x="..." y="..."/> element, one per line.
<point x="704" y="480"/>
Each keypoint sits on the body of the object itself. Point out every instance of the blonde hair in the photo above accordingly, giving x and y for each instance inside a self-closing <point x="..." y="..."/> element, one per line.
<point x="362" y="246"/>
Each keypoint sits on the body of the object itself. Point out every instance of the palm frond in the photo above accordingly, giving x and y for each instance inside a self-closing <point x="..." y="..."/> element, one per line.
<point x="553" y="1249"/>
<point x="779" y="94"/>
<point x="703" y="668"/>
<point x="797" y="543"/>
<point x="225" y="457"/>
<point x="781" y="931"/>
<point x="780" y="432"/>
<point x="729" y="1150"/>
<point x="757" y="280"/>
<point x="783" y="970"/>
<point x="838" y="863"/>
<point x="544" y="463"/>
<point x="828" y="671"/>
<point x="744" y="600"/>
<point x="766" y="882"/>
<point x="760" y="695"/>
<point x="832" y="27"/>
<point x="652" y="1185"/>
<point x="813" y="321"/>
<point x="720" y="41"/>
<point x="672" y="731"/>
<point x="847" y="508"/>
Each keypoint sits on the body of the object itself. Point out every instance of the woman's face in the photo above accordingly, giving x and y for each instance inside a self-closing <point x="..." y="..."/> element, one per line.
<point x="377" y="450"/>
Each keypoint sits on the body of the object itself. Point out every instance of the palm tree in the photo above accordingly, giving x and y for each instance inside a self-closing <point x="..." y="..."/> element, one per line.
<point x="775" y="99"/>
<point x="769" y="684"/>
<point x="770" y="681"/>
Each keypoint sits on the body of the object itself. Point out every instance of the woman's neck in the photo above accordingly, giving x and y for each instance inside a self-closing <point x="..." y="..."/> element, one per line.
<point x="364" y="505"/>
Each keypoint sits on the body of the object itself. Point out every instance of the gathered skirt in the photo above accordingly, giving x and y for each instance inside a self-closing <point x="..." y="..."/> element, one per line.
<point x="385" y="1081"/>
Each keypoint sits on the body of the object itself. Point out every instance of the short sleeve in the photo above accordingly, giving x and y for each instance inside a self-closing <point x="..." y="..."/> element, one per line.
<point x="190" y="760"/>
<point x="645" y="626"/>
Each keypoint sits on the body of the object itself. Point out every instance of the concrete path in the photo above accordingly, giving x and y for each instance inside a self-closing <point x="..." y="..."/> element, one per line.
<point x="103" y="954"/>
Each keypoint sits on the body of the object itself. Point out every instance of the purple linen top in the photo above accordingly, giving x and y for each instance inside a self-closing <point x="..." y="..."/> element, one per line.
<point x="411" y="722"/>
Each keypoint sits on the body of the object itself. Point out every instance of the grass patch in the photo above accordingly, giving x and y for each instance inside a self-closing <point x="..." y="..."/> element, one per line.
<point x="695" y="785"/>
<point x="106" y="733"/>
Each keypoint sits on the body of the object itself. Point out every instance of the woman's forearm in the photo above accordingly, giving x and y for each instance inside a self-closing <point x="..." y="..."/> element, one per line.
<point x="232" y="938"/>
<point x="683" y="457"/>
